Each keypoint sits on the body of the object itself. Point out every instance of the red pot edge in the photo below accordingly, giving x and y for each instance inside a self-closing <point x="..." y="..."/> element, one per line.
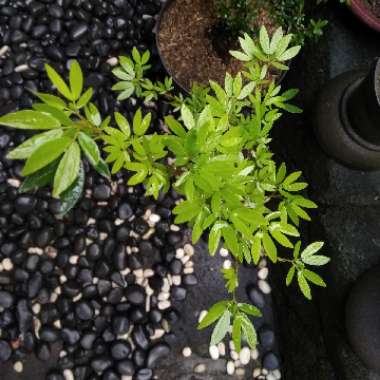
<point x="362" y="11"/>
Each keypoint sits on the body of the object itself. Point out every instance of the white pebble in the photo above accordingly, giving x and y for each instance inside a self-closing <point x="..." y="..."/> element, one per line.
<point x="162" y="305"/>
<point x="263" y="273"/>
<point x="7" y="264"/>
<point x="263" y="263"/>
<point x="148" y="273"/>
<point x="74" y="259"/>
<point x="91" y="221"/>
<point x="230" y="368"/>
<point x="14" y="182"/>
<point x="270" y="376"/>
<point x="189" y="249"/>
<point x="232" y="345"/>
<point x="186" y="352"/>
<point x="245" y="356"/>
<point x="264" y="286"/>
<point x="154" y="218"/>
<point x="21" y="68"/>
<point x="227" y="264"/>
<point x="185" y="259"/>
<point x="214" y="352"/>
<point x="256" y="372"/>
<point x="68" y="374"/>
<point x="202" y="314"/>
<point x="180" y="253"/>
<point x="36" y="308"/>
<point x="264" y="371"/>
<point x="174" y="228"/>
<point x="223" y="252"/>
<point x="57" y="323"/>
<point x="51" y="251"/>
<point x="254" y="354"/>
<point x="35" y="250"/>
<point x="3" y="50"/>
<point x="277" y="374"/>
<point x="124" y="377"/>
<point x="103" y="236"/>
<point x="234" y="355"/>
<point x="240" y="372"/>
<point x="118" y="221"/>
<point x="159" y="333"/>
<point x="222" y="349"/>
<point x="200" y="368"/>
<point x="163" y="296"/>
<point x="177" y="280"/>
<point x="188" y="270"/>
<point x="165" y="286"/>
<point x="113" y="61"/>
<point x="139" y="273"/>
<point x="18" y="367"/>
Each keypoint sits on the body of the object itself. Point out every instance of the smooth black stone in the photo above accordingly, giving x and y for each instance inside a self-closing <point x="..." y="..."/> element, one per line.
<point x="5" y="351"/>
<point x="190" y="280"/>
<point x="17" y="37"/>
<point x="55" y="11"/>
<point x="144" y="374"/>
<point x="73" y="49"/>
<point x="16" y="92"/>
<point x="135" y="294"/>
<point x="122" y="233"/>
<point x="120" y="350"/>
<point x="115" y="296"/>
<point x="100" y="364"/>
<point x="120" y="325"/>
<point x="24" y="316"/>
<point x="5" y="278"/>
<point x="84" y="310"/>
<point x="55" y="53"/>
<point x="8" y="248"/>
<point x="43" y="352"/>
<point x="49" y="334"/>
<point x="44" y="237"/>
<point x="125" y="211"/>
<point x="266" y="338"/>
<point x="34" y="285"/>
<point x="27" y="24"/>
<point x="4" y="95"/>
<point x="32" y="262"/>
<point x="178" y="293"/>
<point x="125" y="367"/>
<point x="104" y="287"/>
<point x="119" y="279"/>
<point x="25" y="204"/>
<point x="90" y="291"/>
<point x="156" y="353"/>
<point x="110" y="375"/>
<point x="70" y="335"/>
<point x="271" y="362"/>
<point x="139" y="357"/>
<point x="120" y="257"/>
<point x="94" y="80"/>
<point x="78" y="31"/>
<point x="256" y="297"/>
<point x="54" y="376"/>
<point x="39" y="31"/>
<point x="102" y="192"/>
<point x="140" y="337"/>
<point x="140" y="226"/>
<point x="88" y="340"/>
<point x="93" y="252"/>
<point x="176" y="266"/>
<point x="172" y="315"/>
<point x="155" y="316"/>
<point x="6" y="299"/>
<point x="102" y="270"/>
<point x="56" y="27"/>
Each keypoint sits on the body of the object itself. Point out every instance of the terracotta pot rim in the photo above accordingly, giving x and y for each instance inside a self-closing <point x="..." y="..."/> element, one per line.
<point x="364" y="13"/>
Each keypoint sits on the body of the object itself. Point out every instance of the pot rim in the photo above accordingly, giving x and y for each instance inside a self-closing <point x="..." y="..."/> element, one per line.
<point x="361" y="10"/>
<point x="164" y="8"/>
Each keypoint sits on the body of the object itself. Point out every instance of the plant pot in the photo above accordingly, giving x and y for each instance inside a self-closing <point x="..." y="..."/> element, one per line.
<point x="362" y="10"/>
<point x="346" y="119"/>
<point x="202" y="67"/>
<point x="363" y="318"/>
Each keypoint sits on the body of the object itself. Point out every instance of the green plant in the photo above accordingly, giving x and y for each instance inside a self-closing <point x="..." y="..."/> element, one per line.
<point x="215" y="153"/>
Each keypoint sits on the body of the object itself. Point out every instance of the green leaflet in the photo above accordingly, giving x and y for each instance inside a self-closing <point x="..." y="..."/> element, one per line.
<point x="70" y="197"/>
<point x="213" y="314"/>
<point x="249" y="331"/>
<point x="24" y="150"/>
<point x="45" y="154"/>
<point x="54" y="112"/>
<point x="58" y="82"/>
<point x="103" y="169"/>
<point x="29" y="120"/>
<point x="236" y="333"/>
<point x="221" y="328"/>
<point x="90" y="148"/>
<point x="304" y="286"/>
<point x="67" y="170"/>
<point x="40" y="178"/>
<point x="76" y="79"/>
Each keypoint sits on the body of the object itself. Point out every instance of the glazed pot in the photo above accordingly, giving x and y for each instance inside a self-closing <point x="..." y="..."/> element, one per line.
<point x="362" y="10"/>
<point x="347" y="118"/>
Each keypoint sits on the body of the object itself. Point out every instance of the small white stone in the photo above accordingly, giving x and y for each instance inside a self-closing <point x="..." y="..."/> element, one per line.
<point x="180" y="253"/>
<point x="7" y="264"/>
<point x="165" y="325"/>
<point x="186" y="352"/>
<point x="57" y="323"/>
<point x="270" y="376"/>
<point x="176" y="280"/>
<point x="240" y="372"/>
<point x="264" y="371"/>
<point x="237" y="363"/>
<point x="103" y="236"/>
<point x="185" y="259"/>
<point x="234" y="355"/>
<point x="223" y="252"/>
<point x="68" y="374"/>
<point x="154" y="218"/>
<point x="264" y="286"/>
<point x="232" y="345"/>
<point x="159" y="333"/>
<point x="189" y="264"/>
<point x="149" y="234"/>
<point x="214" y="352"/>
<point x="62" y="278"/>
<point x="53" y="297"/>
<point x="165" y="286"/>
<point x="174" y="228"/>
<point x="139" y="273"/>
<point x="148" y="273"/>
<point x="227" y="264"/>
<point x="189" y="270"/>
<point x="254" y="354"/>
<point x="21" y="68"/>
<point x="3" y="50"/>
<point x="91" y="221"/>
<point x="149" y="291"/>
<point x="163" y="296"/>
<point x="202" y="314"/>
<point x="200" y="368"/>
<point x="230" y="368"/>
<point x="118" y="221"/>
<point x="35" y="250"/>
<point x="77" y="297"/>
<point x="222" y="349"/>
<point x="245" y="356"/>
<point x="256" y="372"/>
<point x="113" y="61"/>
<point x="189" y="249"/>
<point x="263" y="263"/>
<point x="14" y="182"/>
<point x="18" y="367"/>
<point x="36" y="308"/>
<point x="263" y="273"/>
<point x="73" y="259"/>
<point x="51" y="251"/>
<point x="162" y="305"/>
<point x="277" y="374"/>
<point x="124" y="377"/>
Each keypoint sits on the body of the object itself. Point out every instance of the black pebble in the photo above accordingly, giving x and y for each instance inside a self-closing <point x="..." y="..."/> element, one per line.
<point x="144" y="374"/>
<point x="120" y="350"/>
<point x="156" y="353"/>
<point x="6" y="299"/>
<point x="270" y="362"/>
<point x="135" y="294"/>
<point x="102" y="192"/>
<point x="5" y="350"/>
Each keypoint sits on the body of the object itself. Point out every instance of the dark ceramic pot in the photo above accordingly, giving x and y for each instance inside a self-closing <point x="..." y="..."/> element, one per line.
<point x="363" y="11"/>
<point x="165" y="63"/>
<point x="347" y="118"/>
<point x="363" y="318"/>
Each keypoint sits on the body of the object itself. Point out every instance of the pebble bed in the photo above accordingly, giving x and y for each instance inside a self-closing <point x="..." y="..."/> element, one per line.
<point x="98" y="286"/>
